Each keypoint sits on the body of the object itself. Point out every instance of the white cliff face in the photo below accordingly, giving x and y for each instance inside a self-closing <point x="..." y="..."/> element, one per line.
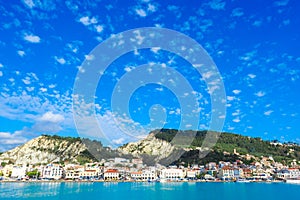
<point x="150" y="146"/>
<point x="44" y="150"/>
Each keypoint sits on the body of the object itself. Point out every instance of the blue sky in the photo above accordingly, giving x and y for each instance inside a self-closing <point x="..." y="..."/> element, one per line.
<point x="254" y="44"/>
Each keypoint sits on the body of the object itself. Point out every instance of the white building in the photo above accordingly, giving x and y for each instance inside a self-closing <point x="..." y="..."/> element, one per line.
<point x="172" y="174"/>
<point x="136" y="175"/>
<point x="191" y="174"/>
<point x="72" y="174"/>
<point x="53" y="171"/>
<point x="148" y="174"/>
<point x="111" y="174"/>
<point x="18" y="172"/>
<point x="209" y="177"/>
<point x="121" y="161"/>
<point x="294" y="173"/>
<point x="226" y="173"/>
<point x="291" y="173"/>
<point x="89" y="174"/>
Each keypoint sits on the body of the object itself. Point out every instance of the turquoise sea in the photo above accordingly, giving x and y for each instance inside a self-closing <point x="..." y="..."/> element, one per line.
<point x="141" y="191"/>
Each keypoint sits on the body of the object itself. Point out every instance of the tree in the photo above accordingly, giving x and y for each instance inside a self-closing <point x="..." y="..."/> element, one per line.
<point x="201" y="175"/>
<point x="33" y="174"/>
<point x="3" y="164"/>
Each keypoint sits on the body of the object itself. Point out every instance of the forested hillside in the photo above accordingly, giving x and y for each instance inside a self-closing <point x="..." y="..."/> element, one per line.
<point x="227" y="142"/>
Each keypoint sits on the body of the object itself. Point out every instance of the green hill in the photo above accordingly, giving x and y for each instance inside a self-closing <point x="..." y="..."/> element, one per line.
<point x="227" y="142"/>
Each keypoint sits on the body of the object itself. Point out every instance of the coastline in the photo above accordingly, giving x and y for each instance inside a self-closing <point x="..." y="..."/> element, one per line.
<point x="134" y="181"/>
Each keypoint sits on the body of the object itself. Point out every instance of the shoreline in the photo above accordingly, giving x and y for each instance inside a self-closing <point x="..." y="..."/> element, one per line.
<point x="131" y="181"/>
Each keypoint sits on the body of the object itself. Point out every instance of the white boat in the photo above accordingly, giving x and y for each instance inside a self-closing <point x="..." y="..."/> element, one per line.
<point x="242" y="180"/>
<point x="163" y="180"/>
<point x="297" y="181"/>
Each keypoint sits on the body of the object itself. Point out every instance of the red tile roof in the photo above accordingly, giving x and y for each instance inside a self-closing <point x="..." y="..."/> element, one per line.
<point x="112" y="171"/>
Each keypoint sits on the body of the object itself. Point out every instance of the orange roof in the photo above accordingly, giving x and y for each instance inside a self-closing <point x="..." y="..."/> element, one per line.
<point x="227" y="168"/>
<point x="112" y="171"/>
<point x="136" y="172"/>
<point x="293" y="169"/>
<point x="90" y="170"/>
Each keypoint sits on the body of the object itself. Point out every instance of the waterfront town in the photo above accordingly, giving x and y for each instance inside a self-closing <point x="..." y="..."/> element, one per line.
<point x="121" y="169"/>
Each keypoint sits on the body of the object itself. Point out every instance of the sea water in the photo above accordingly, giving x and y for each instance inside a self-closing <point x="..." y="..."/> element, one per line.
<point x="141" y="191"/>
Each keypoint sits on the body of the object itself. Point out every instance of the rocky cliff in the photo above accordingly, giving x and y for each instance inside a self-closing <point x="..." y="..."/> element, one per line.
<point x="152" y="150"/>
<point x="150" y="146"/>
<point x="49" y="149"/>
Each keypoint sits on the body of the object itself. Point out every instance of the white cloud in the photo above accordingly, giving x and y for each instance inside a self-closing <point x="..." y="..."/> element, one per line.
<point x="43" y="89"/>
<point x="26" y="81"/>
<point x="222" y="116"/>
<point x="257" y="23"/>
<point x="251" y="76"/>
<point x="17" y="104"/>
<point x="1" y="73"/>
<point x="217" y="4"/>
<point x="237" y="12"/>
<point x="207" y="75"/>
<point x="138" y="37"/>
<point x="281" y="3"/>
<point x="230" y="98"/>
<point x="84" y="20"/>
<point x="155" y="49"/>
<point x="46" y="127"/>
<point x="151" y="8"/>
<point x="267" y="106"/>
<point x="51" y="117"/>
<point x="21" y="53"/>
<point x="32" y="75"/>
<point x="32" y="38"/>
<point x="188" y="125"/>
<point x="236" y="91"/>
<point x="89" y="57"/>
<point x="260" y="93"/>
<point x="87" y="20"/>
<point x="11" y="140"/>
<point x="129" y="68"/>
<point x="99" y="28"/>
<point x="52" y="86"/>
<point x="236" y="120"/>
<point x="107" y="127"/>
<point x="245" y="58"/>
<point x="30" y="89"/>
<point x="268" y="112"/>
<point x="118" y="141"/>
<point x="141" y="12"/>
<point x="81" y="69"/>
<point x="230" y="128"/>
<point x="7" y="138"/>
<point x="29" y="3"/>
<point x="236" y="113"/>
<point x="61" y="61"/>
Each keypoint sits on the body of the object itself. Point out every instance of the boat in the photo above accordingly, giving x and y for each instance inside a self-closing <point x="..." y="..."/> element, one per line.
<point x="296" y="181"/>
<point x="242" y="180"/>
<point x="163" y="180"/>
